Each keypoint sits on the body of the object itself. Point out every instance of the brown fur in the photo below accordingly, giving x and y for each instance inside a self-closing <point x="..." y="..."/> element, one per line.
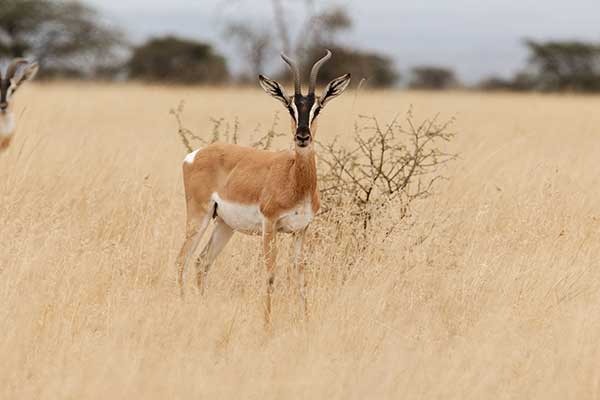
<point x="277" y="181"/>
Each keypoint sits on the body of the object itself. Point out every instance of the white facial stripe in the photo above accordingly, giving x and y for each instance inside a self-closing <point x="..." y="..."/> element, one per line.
<point x="295" y="110"/>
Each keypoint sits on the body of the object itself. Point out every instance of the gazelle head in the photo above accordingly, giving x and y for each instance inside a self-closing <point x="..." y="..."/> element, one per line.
<point x="18" y="71"/>
<point x="304" y="110"/>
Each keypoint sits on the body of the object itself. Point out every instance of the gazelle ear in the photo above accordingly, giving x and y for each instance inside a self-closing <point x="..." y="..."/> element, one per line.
<point x="274" y="89"/>
<point x="335" y="88"/>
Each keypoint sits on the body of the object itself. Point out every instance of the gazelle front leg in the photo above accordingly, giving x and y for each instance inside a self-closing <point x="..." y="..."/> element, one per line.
<point x="270" y="254"/>
<point x="299" y="266"/>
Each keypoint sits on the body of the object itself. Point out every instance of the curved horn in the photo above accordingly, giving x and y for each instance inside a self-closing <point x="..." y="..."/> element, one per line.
<point x="14" y="67"/>
<point x="296" y="71"/>
<point x="315" y="72"/>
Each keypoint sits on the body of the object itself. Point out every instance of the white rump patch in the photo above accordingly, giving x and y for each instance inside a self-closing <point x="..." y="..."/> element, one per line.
<point x="7" y="124"/>
<point x="189" y="159"/>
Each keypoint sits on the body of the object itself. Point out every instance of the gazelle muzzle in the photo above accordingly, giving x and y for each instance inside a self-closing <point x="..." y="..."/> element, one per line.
<point x="303" y="136"/>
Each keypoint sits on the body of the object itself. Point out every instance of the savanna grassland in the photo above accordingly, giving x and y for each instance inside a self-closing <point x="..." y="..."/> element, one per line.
<point x="490" y="289"/>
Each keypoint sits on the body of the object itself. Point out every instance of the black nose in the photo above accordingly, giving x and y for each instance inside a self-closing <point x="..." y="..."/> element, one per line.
<point x="3" y="106"/>
<point x="303" y="136"/>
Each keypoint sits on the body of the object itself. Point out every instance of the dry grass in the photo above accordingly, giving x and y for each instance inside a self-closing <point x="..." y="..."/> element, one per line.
<point x="500" y="299"/>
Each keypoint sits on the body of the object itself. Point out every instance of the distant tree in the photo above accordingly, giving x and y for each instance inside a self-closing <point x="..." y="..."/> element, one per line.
<point x="495" y="83"/>
<point x="61" y="35"/>
<point x="520" y="82"/>
<point x="319" y="25"/>
<point x="432" y="78"/>
<point x="176" y="60"/>
<point x="320" y="28"/>
<point x="377" y="69"/>
<point x="523" y="81"/>
<point x="558" y="66"/>
<point x="323" y="29"/>
<point x="253" y="43"/>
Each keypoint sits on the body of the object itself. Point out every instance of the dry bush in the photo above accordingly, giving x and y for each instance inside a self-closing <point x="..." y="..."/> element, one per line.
<point x="385" y="164"/>
<point x="223" y="131"/>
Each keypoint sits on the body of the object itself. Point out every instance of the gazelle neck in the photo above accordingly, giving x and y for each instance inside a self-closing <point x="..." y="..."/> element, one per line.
<point x="304" y="171"/>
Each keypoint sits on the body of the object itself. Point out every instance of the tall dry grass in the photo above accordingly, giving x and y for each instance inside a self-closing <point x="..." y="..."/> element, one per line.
<point x="492" y="291"/>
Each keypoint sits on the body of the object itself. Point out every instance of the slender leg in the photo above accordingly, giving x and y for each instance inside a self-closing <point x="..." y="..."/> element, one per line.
<point x="196" y="227"/>
<point x="270" y="254"/>
<point x="299" y="266"/>
<point x="218" y="240"/>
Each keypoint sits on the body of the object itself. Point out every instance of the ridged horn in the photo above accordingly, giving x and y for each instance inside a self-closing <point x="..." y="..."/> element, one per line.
<point x="314" y="73"/>
<point x="295" y="71"/>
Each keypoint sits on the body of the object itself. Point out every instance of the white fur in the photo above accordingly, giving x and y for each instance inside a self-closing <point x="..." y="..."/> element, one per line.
<point x="189" y="159"/>
<point x="312" y="112"/>
<point x="7" y="124"/>
<point x="240" y="217"/>
<point x="247" y="218"/>
<point x="295" y="109"/>
<point x="297" y="218"/>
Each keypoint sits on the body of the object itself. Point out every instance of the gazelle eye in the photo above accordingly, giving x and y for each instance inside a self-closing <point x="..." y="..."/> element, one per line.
<point x="316" y="112"/>
<point x="291" y="110"/>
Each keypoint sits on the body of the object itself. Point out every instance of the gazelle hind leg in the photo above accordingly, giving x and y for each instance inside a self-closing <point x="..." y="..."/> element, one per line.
<point x="221" y="235"/>
<point x="196" y="226"/>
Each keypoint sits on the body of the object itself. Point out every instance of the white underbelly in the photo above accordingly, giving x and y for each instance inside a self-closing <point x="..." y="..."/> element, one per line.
<point x="296" y="219"/>
<point x="247" y="218"/>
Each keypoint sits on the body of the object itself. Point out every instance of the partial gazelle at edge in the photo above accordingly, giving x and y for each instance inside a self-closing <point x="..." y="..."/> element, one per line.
<point x="19" y="71"/>
<point x="255" y="191"/>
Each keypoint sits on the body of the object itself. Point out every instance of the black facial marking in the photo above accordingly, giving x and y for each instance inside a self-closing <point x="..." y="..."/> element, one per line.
<point x="4" y="86"/>
<point x="316" y="113"/>
<point x="291" y="110"/>
<point x="304" y="104"/>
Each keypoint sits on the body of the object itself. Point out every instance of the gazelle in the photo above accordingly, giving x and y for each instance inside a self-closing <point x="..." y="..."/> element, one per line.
<point x="17" y="72"/>
<point x="255" y="191"/>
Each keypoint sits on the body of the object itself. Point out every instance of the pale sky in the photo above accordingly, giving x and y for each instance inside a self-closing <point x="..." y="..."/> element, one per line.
<point x="477" y="38"/>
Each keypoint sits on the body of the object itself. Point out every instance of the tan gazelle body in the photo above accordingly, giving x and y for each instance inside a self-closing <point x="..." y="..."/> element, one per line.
<point x="257" y="192"/>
